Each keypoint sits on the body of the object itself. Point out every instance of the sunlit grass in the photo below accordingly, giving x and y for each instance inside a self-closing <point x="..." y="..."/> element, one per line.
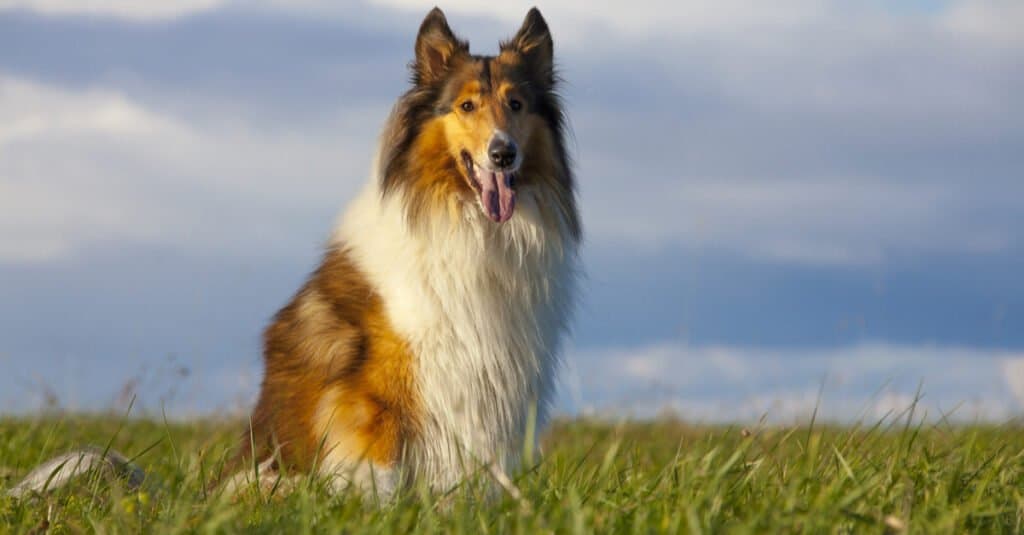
<point x="666" y="476"/>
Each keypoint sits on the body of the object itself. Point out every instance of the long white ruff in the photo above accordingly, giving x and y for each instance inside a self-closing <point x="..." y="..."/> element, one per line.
<point x="483" y="307"/>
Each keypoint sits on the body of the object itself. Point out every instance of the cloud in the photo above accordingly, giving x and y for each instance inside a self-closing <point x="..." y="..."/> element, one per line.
<point x="996" y="21"/>
<point x="143" y="10"/>
<point x="746" y="383"/>
<point x="846" y="140"/>
<point x="53" y="193"/>
<point x="579" y="25"/>
<point x="1013" y="371"/>
<point x="851" y="221"/>
<point x="90" y="166"/>
<point x="834" y="134"/>
<point x="575" y="21"/>
<point x="589" y="25"/>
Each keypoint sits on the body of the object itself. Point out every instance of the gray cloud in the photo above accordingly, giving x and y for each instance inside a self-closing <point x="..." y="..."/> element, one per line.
<point x="839" y="141"/>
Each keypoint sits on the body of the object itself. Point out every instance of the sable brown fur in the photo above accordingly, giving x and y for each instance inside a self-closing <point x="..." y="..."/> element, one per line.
<point x="333" y="337"/>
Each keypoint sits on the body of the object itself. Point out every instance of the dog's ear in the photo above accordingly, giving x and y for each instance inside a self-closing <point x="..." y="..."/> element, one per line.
<point x="437" y="49"/>
<point x="533" y="42"/>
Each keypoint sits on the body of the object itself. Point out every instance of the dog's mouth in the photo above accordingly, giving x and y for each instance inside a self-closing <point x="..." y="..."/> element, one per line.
<point x="493" y="188"/>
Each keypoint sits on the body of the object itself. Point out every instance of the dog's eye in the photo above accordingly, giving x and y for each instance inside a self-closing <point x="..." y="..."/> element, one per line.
<point x="467" y="106"/>
<point x="515" y="105"/>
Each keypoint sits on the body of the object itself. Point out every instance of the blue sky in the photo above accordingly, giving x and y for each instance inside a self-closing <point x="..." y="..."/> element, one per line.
<point x="776" y="198"/>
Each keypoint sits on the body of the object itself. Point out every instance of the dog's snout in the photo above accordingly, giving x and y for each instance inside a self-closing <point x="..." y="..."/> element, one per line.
<point x="502" y="152"/>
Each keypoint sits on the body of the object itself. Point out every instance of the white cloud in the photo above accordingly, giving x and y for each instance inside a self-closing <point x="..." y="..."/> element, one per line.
<point x="780" y="166"/>
<point x="998" y="22"/>
<point x="738" y="383"/>
<point x="56" y="191"/>
<point x="842" y="141"/>
<point x="768" y="24"/>
<point x="578" y="22"/>
<point x="128" y="9"/>
<point x="570" y="19"/>
<point x="82" y="167"/>
<point x="893" y="403"/>
<point x="1013" y="372"/>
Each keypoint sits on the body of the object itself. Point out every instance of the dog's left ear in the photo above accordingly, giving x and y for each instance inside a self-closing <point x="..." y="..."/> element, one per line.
<point x="533" y="42"/>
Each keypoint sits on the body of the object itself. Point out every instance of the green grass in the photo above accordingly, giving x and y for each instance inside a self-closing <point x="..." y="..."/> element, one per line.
<point x="593" y="477"/>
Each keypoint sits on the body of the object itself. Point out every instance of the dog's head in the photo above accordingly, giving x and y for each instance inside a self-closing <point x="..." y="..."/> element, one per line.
<point x="479" y="127"/>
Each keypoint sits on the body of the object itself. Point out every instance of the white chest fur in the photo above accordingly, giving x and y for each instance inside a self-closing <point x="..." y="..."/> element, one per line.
<point x="483" y="307"/>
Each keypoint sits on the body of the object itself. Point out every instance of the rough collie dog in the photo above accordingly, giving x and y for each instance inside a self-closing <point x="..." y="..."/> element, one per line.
<point x="430" y="331"/>
<point x="420" y="347"/>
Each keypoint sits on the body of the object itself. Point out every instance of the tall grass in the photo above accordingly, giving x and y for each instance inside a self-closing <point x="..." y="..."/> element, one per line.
<point x="666" y="476"/>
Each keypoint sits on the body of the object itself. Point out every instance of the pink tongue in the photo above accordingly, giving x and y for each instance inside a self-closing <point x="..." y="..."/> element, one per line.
<point x="496" y="194"/>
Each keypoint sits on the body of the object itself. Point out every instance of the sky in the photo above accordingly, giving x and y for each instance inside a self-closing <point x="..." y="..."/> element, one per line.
<point x="807" y="203"/>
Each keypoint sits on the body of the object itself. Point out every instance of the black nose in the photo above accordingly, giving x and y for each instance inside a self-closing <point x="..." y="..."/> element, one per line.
<point x="502" y="153"/>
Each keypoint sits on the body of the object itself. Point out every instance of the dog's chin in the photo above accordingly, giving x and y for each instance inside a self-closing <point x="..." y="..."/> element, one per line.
<point x="495" y="189"/>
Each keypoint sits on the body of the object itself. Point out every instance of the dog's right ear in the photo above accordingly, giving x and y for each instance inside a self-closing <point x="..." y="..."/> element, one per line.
<point x="437" y="49"/>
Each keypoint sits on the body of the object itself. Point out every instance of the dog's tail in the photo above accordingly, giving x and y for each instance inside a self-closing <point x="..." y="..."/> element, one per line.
<point x="60" y="470"/>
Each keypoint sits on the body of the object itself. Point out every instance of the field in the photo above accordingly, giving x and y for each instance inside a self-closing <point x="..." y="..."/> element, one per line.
<point x="666" y="476"/>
